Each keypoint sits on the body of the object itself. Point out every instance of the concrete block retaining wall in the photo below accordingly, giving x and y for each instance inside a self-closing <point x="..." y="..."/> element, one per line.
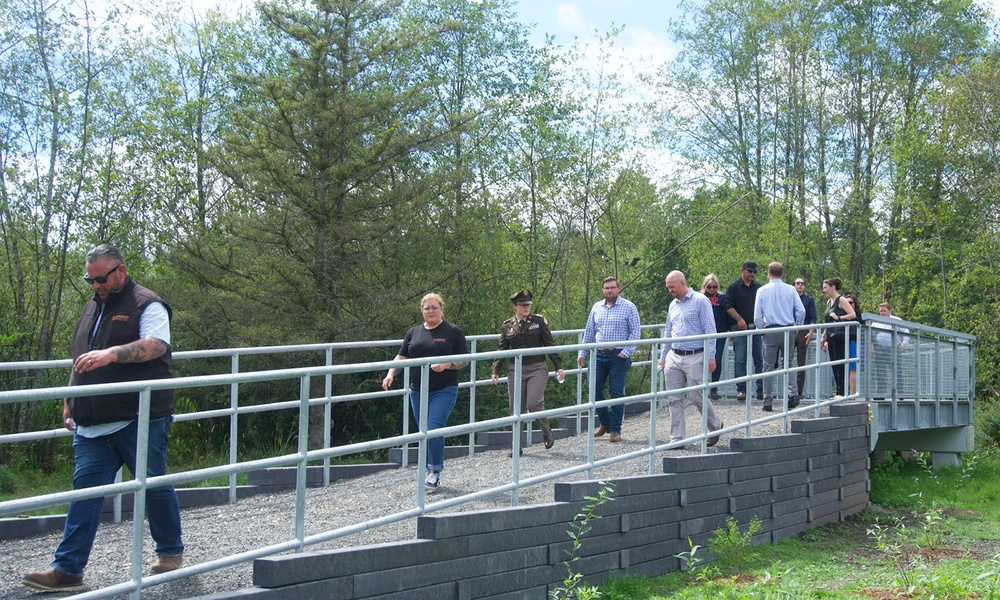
<point x="818" y="474"/>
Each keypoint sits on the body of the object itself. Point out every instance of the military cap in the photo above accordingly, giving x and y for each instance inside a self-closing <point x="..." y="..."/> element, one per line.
<point x="522" y="297"/>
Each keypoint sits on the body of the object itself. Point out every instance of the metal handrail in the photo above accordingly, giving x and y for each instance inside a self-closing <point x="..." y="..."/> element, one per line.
<point x="583" y="408"/>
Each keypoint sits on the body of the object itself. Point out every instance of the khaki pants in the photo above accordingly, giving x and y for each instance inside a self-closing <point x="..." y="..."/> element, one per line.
<point x="534" y="378"/>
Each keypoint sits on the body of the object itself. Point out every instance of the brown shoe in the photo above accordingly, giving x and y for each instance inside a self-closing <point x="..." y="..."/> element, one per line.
<point x="549" y="443"/>
<point x="601" y="431"/>
<point x="53" y="580"/>
<point x="166" y="564"/>
<point x="715" y="438"/>
<point x="615" y="437"/>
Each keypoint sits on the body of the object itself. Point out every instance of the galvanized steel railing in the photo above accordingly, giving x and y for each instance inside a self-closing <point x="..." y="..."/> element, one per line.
<point x="935" y="365"/>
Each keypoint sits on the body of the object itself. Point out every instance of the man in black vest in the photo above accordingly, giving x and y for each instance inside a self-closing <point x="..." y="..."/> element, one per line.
<point x="123" y="335"/>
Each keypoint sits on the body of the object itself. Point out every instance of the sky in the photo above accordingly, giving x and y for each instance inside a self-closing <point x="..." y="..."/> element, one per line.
<point x="645" y="22"/>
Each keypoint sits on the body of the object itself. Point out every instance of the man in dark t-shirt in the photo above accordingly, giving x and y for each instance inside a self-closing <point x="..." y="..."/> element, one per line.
<point x="740" y="298"/>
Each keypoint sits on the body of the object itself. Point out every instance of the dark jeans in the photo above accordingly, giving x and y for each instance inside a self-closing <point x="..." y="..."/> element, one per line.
<point x="740" y="361"/>
<point x="801" y="348"/>
<point x="837" y="346"/>
<point x="613" y="369"/>
<point x="97" y="461"/>
<point x="720" y="349"/>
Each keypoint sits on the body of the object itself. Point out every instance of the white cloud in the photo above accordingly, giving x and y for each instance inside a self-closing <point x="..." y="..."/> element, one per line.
<point x="568" y="17"/>
<point x="649" y="48"/>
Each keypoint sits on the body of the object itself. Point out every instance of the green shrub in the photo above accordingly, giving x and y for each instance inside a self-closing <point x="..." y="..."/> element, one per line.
<point x="988" y="423"/>
<point x="7" y="480"/>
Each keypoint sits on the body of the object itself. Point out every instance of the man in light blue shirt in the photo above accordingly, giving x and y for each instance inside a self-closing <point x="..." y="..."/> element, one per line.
<point x="683" y="363"/>
<point x="613" y="319"/>
<point x="777" y="305"/>
<point x="885" y="380"/>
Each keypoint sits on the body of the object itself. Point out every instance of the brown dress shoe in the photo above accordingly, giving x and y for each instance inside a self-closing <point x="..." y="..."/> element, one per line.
<point x="166" y="564"/>
<point x="715" y="438"/>
<point x="53" y="580"/>
<point x="615" y="437"/>
<point x="600" y="431"/>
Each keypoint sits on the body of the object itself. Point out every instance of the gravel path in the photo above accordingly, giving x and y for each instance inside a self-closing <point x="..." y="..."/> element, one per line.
<point x="216" y="531"/>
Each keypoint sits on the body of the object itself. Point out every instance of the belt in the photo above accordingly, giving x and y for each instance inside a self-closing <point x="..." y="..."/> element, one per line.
<point x="687" y="352"/>
<point x="611" y="351"/>
<point x="772" y="326"/>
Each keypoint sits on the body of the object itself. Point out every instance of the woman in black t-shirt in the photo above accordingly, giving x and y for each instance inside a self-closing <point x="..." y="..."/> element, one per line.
<point x="435" y="337"/>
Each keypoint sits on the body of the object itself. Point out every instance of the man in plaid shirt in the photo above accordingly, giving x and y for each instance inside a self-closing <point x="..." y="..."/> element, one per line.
<point x="613" y="319"/>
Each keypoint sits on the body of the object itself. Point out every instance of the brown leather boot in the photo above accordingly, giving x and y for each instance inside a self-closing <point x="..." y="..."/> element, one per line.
<point x="53" y="580"/>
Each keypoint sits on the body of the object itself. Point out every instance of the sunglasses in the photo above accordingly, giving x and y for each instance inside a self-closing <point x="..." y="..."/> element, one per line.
<point x="102" y="279"/>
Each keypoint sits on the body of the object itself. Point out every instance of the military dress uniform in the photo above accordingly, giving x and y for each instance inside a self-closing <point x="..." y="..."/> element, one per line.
<point x="531" y="332"/>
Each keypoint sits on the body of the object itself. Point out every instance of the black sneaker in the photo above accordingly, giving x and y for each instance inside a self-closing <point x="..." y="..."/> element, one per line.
<point x="793" y="402"/>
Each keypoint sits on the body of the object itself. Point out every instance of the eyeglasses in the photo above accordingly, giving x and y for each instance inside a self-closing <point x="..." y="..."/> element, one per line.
<point x="711" y="287"/>
<point x="102" y="279"/>
<point x="800" y="283"/>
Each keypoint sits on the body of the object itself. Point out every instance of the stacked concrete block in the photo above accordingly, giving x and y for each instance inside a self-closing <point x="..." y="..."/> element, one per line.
<point x="817" y="474"/>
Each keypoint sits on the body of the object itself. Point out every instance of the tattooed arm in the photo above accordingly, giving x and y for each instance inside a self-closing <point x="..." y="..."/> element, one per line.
<point x="138" y="351"/>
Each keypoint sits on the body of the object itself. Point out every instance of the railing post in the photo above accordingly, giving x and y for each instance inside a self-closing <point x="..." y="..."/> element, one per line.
<point x="139" y="497"/>
<point x="515" y="431"/>
<point x="234" y="405"/>
<point x="654" y="403"/>
<point x="817" y="377"/>
<point x="302" y="468"/>
<point x="472" y="399"/>
<point x="706" y="378"/>
<point x="917" y="359"/>
<point x="579" y="390"/>
<point x="425" y="370"/>
<point x="327" y="415"/>
<point x="406" y="415"/>
<point x="592" y="399"/>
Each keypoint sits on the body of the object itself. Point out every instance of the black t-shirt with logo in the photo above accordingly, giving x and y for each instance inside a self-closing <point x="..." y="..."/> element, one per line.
<point x="444" y="340"/>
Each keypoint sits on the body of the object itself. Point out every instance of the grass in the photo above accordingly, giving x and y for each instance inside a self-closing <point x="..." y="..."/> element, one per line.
<point x="929" y="535"/>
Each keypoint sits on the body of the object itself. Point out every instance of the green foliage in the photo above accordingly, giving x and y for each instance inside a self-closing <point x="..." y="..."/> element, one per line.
<point x="730" y="547"/>
<point x="574" y="586"/>
<point x="291" y="174"/>
<point x="988" y="421"/>
<point x="8" y="480"/>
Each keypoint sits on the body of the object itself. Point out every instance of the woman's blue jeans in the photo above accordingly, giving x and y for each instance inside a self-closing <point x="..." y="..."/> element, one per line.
<point x="439" y="405"/>
<point x="97" y="461"/>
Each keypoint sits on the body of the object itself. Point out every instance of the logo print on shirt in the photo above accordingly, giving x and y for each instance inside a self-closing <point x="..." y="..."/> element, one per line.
<point x="123" y="318"/>
<point x="440" y="340"/>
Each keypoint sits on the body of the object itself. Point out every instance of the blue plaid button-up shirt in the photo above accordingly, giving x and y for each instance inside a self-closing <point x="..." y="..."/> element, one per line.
<point x="616" y="323"/>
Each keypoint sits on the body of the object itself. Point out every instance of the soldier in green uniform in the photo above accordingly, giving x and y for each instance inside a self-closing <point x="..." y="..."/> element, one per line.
<point x="528" y="330"/>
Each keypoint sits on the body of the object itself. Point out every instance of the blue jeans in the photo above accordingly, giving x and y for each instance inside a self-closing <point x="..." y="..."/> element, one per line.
<point x="740" y="361"/>
<point x="611" y="368"/>
<point x="439" y="405"/>
<point x="97" y="462"/>
<point x="720" y="348"/>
